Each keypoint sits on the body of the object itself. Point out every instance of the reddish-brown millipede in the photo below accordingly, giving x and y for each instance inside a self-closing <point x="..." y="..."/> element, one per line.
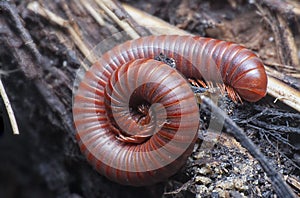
<point x="137" y="118"/>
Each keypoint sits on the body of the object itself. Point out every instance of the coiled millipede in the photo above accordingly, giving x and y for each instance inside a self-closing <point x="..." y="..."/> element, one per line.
<point x="137" y="118"/>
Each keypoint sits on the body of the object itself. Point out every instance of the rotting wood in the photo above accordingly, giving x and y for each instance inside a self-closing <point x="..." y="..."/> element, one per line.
<point x="31" y="64"/>
<point x="28" y="69"/>
<point x="50" y="93"/>
<point x="37" y="8"/>
<point x="286" y="47"/>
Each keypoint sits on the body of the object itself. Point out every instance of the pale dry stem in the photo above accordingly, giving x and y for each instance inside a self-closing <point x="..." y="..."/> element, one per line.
<point x="9" y="110"/>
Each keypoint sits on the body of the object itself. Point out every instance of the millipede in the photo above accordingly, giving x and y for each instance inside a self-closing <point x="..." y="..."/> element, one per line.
<point x="137" y="118"/>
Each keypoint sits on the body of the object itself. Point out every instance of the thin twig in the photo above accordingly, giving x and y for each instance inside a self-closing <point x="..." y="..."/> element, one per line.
<point x="93" y="9"/>
<point x="155" y="25"/>
<point x="9" y="110"/>
<point x="289" y="79"/>
<point x="263" y="132"/>
<point x="294" y="181"/>
<point x="106" y="6"/>
<point x="280" y="186"/>
<point x="13" y="12"/>
<point x="284" y="93"/>
<point x="71" y="19"/>
<point x="93" y="12"/>
<point x="287" y="8"/>
<point x="122" y="14"/>
<point x="284" y="39"/>
<point x="281" y="153"/>
<point x="37" y="8"/>
<point x="6" y="73"/>
<point x="183" y="187"/>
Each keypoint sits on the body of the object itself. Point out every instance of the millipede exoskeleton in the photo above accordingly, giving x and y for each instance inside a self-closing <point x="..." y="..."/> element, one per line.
<point x="137" y="118"/>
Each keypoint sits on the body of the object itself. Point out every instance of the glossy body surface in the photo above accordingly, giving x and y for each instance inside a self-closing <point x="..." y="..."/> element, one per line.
<point x="137" y="118"/>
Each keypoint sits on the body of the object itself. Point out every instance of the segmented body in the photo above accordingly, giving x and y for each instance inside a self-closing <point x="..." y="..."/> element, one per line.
<point x="137" y="118"/>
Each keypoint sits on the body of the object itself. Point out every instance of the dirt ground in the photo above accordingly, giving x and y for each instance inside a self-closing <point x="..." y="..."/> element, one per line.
<point x="39" y="59"/>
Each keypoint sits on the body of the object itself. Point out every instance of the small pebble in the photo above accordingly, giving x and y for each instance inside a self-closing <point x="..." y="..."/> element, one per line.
<point x="204" y="170"/>
<point x="203" y="180"/>
<point x="228" y="184"/>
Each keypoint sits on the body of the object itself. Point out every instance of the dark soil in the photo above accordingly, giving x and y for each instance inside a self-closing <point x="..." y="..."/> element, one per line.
<point x="45" y="161"/>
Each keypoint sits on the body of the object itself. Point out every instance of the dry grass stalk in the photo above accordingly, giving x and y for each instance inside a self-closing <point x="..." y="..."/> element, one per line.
<point x="9" y="110"/>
